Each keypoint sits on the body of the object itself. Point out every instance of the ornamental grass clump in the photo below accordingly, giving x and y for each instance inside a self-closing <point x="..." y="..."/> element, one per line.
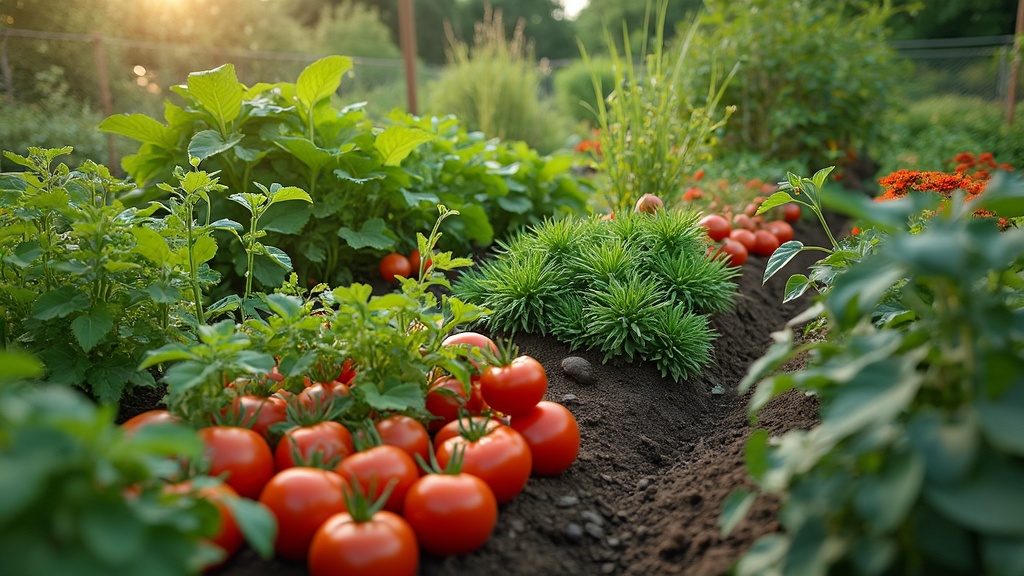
<point x="635" y="288"/>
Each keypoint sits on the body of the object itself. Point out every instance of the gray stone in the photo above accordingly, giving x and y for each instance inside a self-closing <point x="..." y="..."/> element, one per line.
<point x="579" y="369"/>
<point x="573" y="532"/>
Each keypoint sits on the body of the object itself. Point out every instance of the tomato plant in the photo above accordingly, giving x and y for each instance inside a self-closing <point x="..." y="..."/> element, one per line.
<point x="551" y="432"/>
<point x="321" y="443"/>
<point x="242" y="455"/>
<point x="454" y="428"/>
<point x="393" y="265"/>
<point x="302" y="499"/>
<point x="499" y="456"/>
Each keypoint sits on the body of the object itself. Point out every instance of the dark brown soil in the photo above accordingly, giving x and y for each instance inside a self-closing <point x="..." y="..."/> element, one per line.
<point x="656" y="463"/>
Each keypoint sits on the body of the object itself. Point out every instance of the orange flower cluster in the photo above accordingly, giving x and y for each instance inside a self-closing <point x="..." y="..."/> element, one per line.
<point x="970" y="175"/>
<point x="588" y="145"/>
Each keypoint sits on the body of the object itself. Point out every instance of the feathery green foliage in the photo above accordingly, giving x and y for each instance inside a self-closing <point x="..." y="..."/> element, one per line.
<point x="636" y="287"/>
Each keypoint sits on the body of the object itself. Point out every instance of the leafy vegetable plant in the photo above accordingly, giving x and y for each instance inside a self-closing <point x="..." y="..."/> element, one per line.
<point x="917" y="463"/>
<point x="637" y="286"/>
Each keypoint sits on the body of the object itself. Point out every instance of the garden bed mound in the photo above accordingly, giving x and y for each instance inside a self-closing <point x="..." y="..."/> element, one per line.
<point x="657" y="460"/>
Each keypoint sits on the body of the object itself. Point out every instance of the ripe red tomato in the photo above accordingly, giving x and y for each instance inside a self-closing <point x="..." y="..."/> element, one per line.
<point x="736" y="252"/>
<point x="406" y="433"/>
<point x="781" y="229"/>
<point x="243" y="455"/>
<point x="791" y="212"/>
<point x="471" y="338"/>
<point x="302" y="499"/>
<point x="258" y="413"/>
<point x="501" y="458"/>
<point x="765" y="243"/>
<point x="385" y="544"/>
<point x="445" y="405"/>
<point x="414" y="259"/>
<point x="516" y="388"/>
<point x="718" y="228"/>
<point x="743" y="221"/>
<point x="316" y="395"/>
<point x="148" y="418"/>
<point x="451" y="429"/>
<point x="745" y="237"/>
<point x="376" y="468"/>
<point x="327" y="442"/>
<point x="649" y="204"/>
<point x="395" y="264"/>
<point x="451" y="514"/>
<point x="553" y="436"/>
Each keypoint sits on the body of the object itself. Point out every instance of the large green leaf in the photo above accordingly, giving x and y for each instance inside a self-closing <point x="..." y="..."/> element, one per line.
<point x="775" y="200"/>
<point x="1004" y="195"/>
<point x="19" y="366"/>
<point x="873" y="396"/>
<point x="286" y="193"/>
<point x="372" y="234"/>
<point x="91" y="327"/>
<point x="735" y="509"/>
<point x="884" y="499"/>
<point x="59" y="303"/>
<point x="307" y="152"/>
<point x="988" y="500"/>
<point x="218" y="91"/>
<point x="1002" y="419"/>
<point x="142" y="128"/>
<point x="256" y="522"/>
<point x="321" y="79"/>
<point x="796" y="286"/>
<point x="949" y="443"/>
<point x="110" y="530"/>
<point x="395" y="143"/>
<point x="398" y="397"/>
<point x="207" y="143"/>
<point x="782" y="255"/>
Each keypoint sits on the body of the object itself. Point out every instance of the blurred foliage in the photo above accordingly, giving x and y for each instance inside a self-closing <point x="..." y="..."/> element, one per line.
<point x="813" y="81"/>
<point x="493" y="86"/>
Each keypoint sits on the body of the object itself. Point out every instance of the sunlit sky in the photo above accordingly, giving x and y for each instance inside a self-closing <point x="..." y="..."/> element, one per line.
<point x="573" y="7"/>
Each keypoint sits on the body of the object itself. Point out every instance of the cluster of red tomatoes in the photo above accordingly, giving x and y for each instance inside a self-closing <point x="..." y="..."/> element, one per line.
<point x="355" y="501"/>
<point x="393" y="265"/>
<point x="749" y="234"/>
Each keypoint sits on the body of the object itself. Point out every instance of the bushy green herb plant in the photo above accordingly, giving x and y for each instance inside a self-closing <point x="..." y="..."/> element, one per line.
<point x="76" y="285"/>
<point x="635" y="287"/>
<point x="653" y="129"/>
<point x="917" y="463"/>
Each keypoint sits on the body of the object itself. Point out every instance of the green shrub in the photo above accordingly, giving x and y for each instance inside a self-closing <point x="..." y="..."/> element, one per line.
<point x="574" y="88"/>
<point x="924" y="134"/>
<point x="54" y="121"/>
<point x="494" y="87"/>
<point x="814" y="80"/>
<point x="636" y="287"/>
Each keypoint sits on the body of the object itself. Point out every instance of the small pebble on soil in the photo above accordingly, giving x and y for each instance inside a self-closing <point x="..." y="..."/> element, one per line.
<point x="579" y="369"/>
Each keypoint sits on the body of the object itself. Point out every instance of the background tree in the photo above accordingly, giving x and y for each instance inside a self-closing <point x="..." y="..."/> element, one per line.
<point x="551" y="35"/>
<point x="592" y="20"/>
<point x="953" y="18"/>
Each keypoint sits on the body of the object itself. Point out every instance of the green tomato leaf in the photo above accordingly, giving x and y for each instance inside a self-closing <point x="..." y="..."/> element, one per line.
<point x="286" y="218"/>
<point x="873" y="396"/>
<point x="782" y="255"/>
<point x="764" y="557"/>
<point x="165" y="439"/>
<point x="289" y="193"/>
<point x="395" y="143"/>
<point x="59" y="303"/>
<point x="1004" y="195"/>
<point x="345" y="176"/>
<point x="795" y="287"/>
<point x="307" y="152"/>
<point x="885" y="499"/>
<point x="19" y="366"/>
<point x="142" y="128"/>
<point x="91" y="327"/>
<point x="949" y="444"/>
<point x="285" y="306"/>
<point x="110" y="530"/>
<point x="1002" y="420"/>
<point x="984" y="499"/>
<point x="373" y="234"/>
<point x="257" y="523"/>
<point x="820" y="176"/>
<point x="776" y="199"/>
<point x="321" y="79"/>
<point x="735" y="510"/>
<point x="207" y="143"/>
<point x="397" y="398"/>
<point x="755" y="454"/>
<point x="218" y="91"/>
<point x="515" y="204"/>
<point x="1004" y="555"/>
<point x="204" y="249"/>
<point x="279" y="257"/>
